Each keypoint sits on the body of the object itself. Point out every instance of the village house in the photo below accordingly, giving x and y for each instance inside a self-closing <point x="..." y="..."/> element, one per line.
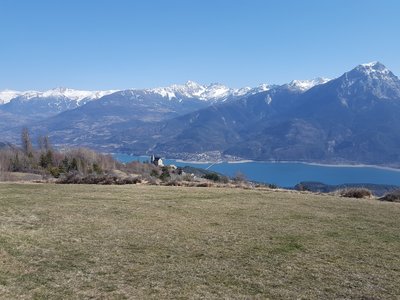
<point x="157" y="161"/>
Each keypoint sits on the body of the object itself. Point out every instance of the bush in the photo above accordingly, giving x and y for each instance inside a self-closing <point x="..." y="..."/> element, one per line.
<point x="173" y="183"/>
<point x="302" y="187"/>
<point x="187" y="177"/>
<point x="239" y="177"/>
<point x="55" y="172"/>
<point x="97" y="169"/>
<point x="153" y="181"/>
<point x="391" y="197"/>
<point x="154" y="173"/>
<point x="165" y="176"/>
<point x="212" y="176"/>
<point x="75" y="178"/>
<point x="203" y="184"/>
<point x="145" y="169"/>
<point x="133" y="180"/>
<point x="355" y="193"/>
<point x="272" y="186"/>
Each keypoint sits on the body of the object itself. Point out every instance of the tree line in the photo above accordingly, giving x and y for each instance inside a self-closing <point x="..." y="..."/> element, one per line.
<point x="45" y="160"/>
<point x="82" y="165"/>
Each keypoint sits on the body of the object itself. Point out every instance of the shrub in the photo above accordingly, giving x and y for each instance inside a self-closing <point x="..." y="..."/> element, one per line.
<point x="203" y="184"/>
<point x="391" y="197"/>
<point x="165" y="174"/>
<point x="212" y="176"/>
<point x="239" y="177"/>
<point x="187" y="177"/>
<point x="224" y="179"/>
<point x="153" y="181"/>
<point x="97" y="169"/>
<point x="355" y="193"/>
<point x="154" y="173"/>
<point x="55" y="172"/>
<point x="145" y="169"/>
<point x="75" y="178"/>
<point x="173" y="183"/>
<point x="302" y="187"/>
<point x="133" y="180"/>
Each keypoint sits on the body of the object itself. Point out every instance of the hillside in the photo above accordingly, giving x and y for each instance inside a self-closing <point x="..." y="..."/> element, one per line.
<point x="85" y="241"/>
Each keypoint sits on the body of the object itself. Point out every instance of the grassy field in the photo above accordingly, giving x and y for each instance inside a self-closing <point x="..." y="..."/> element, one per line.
<point x="140" y="242"/>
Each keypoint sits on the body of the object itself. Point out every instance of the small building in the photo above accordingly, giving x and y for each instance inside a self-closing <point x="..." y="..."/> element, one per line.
<point x="157" y="161"/>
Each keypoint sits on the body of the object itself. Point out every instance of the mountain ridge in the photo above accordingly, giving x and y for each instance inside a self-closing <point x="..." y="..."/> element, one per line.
<point x="351" y="119"/>
<point x="190" y="89"/>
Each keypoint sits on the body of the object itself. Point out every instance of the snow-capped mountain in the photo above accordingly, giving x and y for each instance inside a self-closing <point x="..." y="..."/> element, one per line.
<point x="7" y="95"/>
<point x="371" y="78"/>
<point x="74" y="95"/>
<point x="299" y="86"/>
<point x="350" y="119"/>
<point x="305" y="85"/>
<point x="133" y="105"/>
<point x="216" y="92"/>
<point x="194" y="90"/>
<point x="36" y="104"/>
<point x="261" y="88"/>
<point x="353" y="118"/>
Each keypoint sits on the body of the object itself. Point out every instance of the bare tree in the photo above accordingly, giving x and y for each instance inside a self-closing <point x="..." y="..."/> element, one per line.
<point x="44" y="143"/>
<point x="40" y="142"/>
<point x="6" y="160"/>
<point x="26" y="142"/>
<point x="239" y="177"/>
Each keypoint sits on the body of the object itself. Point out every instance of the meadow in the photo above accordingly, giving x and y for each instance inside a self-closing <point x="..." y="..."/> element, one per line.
<point x="158" y="242"/>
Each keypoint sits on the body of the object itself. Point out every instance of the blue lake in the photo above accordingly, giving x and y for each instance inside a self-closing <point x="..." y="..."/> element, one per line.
<point x="287" y="174"/>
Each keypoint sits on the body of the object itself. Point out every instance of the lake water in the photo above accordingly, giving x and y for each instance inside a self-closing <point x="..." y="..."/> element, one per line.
<point x="286" y="174"/>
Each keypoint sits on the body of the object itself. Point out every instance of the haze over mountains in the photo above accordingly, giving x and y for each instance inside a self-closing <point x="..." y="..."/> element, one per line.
<point x="350" y="119"/>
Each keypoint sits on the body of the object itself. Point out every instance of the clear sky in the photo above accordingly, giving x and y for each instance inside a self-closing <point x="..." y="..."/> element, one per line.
<point x="116" y="44"/>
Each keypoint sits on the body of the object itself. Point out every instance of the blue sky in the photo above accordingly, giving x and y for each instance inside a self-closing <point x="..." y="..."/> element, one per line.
<point x="116" y="44"/>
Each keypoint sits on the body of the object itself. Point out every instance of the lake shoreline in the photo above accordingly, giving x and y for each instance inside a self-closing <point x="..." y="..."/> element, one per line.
<point x="290" y="162"/>
<point x="289" y="173"/>
<point x="242" y="161"/>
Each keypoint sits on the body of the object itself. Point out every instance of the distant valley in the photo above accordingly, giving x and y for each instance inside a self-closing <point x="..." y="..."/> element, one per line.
<point x="349" y="119"/>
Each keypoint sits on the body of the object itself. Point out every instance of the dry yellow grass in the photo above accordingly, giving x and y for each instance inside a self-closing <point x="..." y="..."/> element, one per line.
<point x="140" y="242"/>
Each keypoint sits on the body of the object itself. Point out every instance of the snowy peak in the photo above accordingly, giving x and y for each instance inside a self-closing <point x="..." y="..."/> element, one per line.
<point x="214" y="92"/>
<point x="71" y="94"/>
<point x="373" y="75"/>
<point x="374" y="70"/>
<point x="370" y="79"/>
<point x="305" y="85"/>
<point x="373" y="67"/>
<point x="217" y="91"/>
<point x="191" y="89"/>
<point x="261" y="88"/>
<point x="194" y="86"/>
<point x="57" y="93"/>
<point x="7" y="95"/>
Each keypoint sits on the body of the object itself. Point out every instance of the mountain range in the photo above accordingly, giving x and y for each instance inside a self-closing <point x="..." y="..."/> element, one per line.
<point x="349" y="119"/>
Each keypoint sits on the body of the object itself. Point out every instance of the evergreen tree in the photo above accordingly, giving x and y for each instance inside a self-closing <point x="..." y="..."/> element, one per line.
<point x="74" y="165"/>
